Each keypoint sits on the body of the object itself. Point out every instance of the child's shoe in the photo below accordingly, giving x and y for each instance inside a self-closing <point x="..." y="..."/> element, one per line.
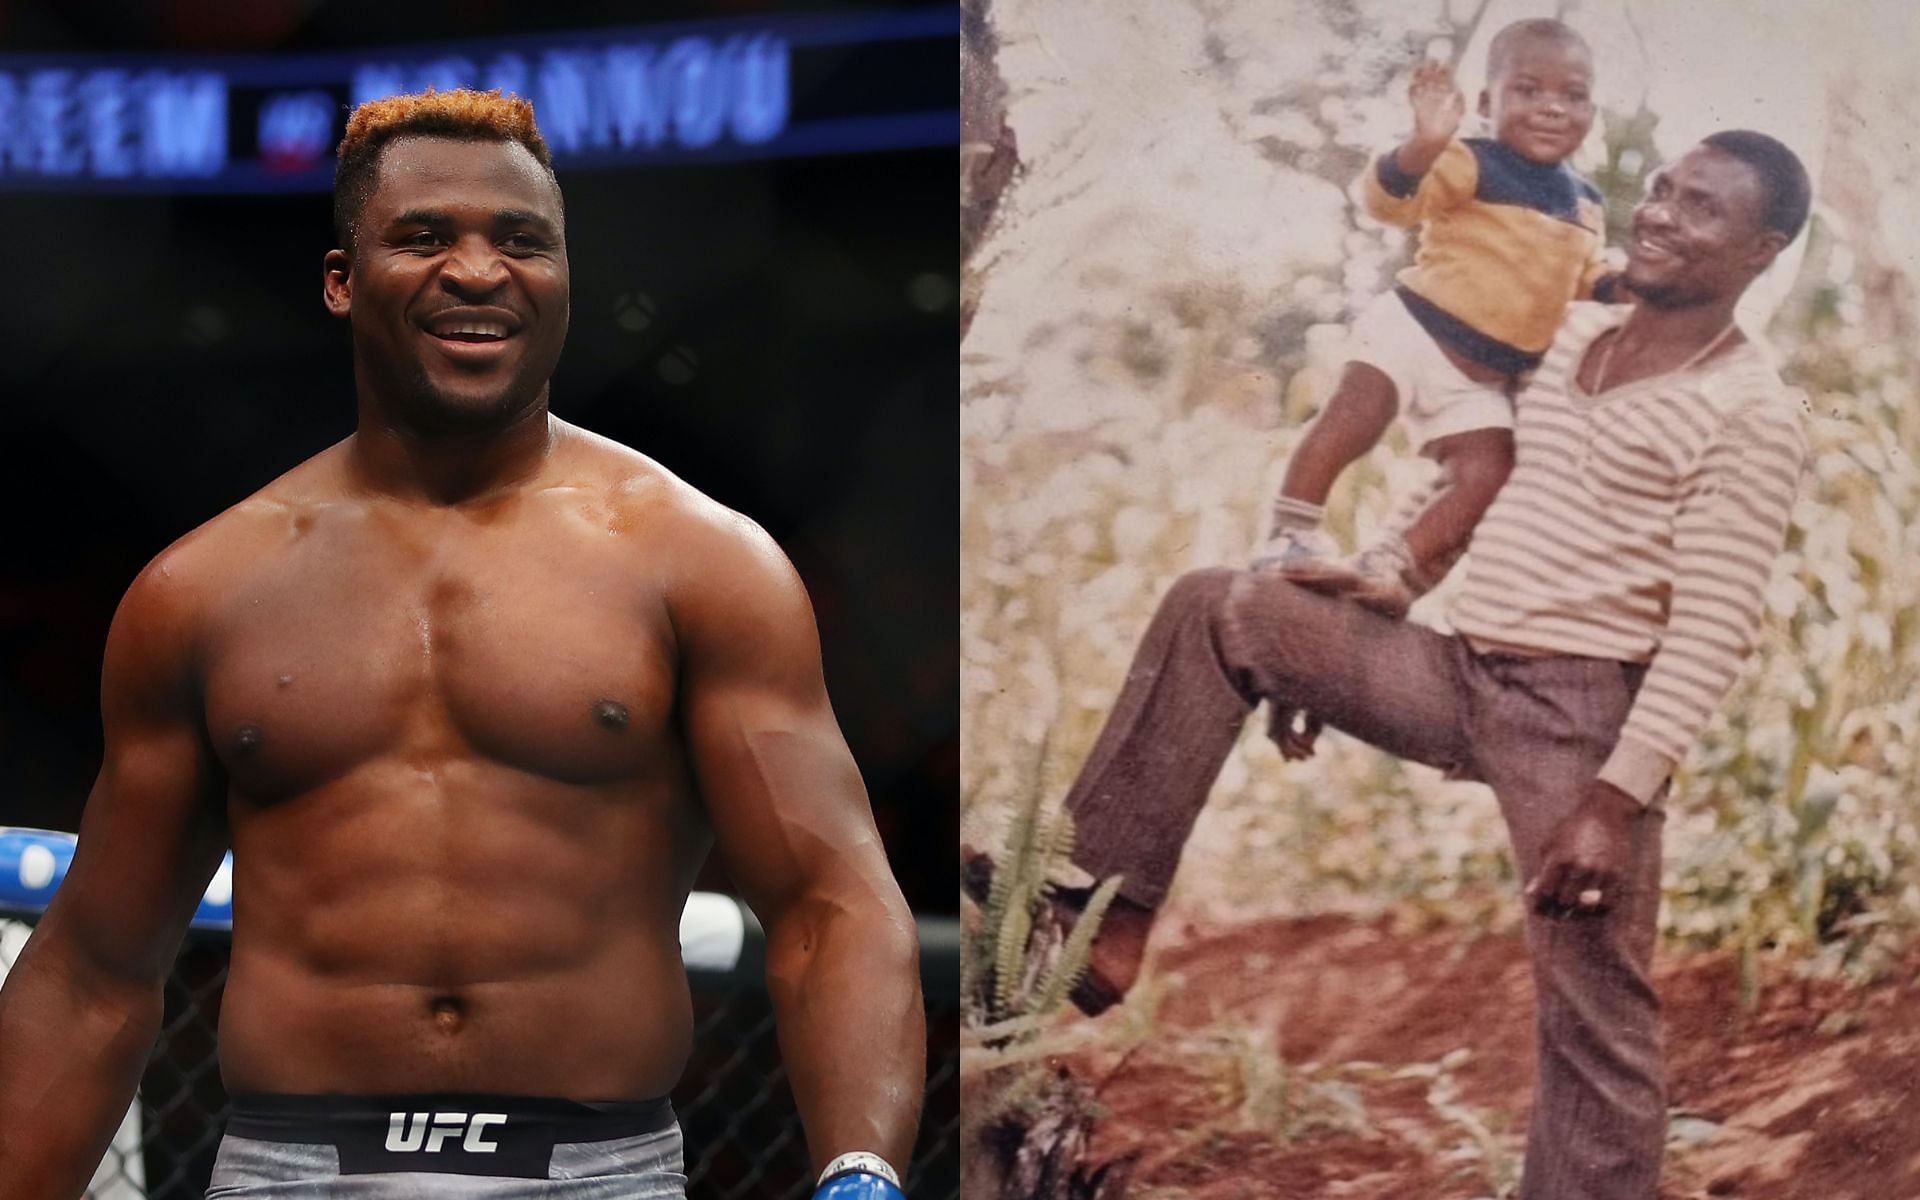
<point x="1383" y="584"/>
<point x="1309" y="558"/>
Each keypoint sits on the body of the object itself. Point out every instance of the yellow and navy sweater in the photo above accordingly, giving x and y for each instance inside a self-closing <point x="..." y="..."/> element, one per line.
<point x="1505" y="245"/>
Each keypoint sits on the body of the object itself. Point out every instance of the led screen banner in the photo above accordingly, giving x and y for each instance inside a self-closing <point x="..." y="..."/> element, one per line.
<point x="739" y="88"/>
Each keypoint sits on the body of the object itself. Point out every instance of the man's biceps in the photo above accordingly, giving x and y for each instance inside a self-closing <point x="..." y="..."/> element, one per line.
<point x="767" y="862"/>
<point x="156" y="815"/>
<point x="761" y="695"/>
<point x="159" y="772"/>
<point x="753" y="852"/>
<point x="753" y="686"/>
<point x="808" y="761"/>
<point x="800" y="766"/>
<point x="789" y="799"/>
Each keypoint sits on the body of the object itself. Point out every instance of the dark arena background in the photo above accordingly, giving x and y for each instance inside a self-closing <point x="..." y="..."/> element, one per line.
<point x="759" y="209"/>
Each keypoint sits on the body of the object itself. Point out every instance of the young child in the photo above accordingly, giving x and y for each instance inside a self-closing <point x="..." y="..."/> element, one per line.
<point x="1509" y="235"/>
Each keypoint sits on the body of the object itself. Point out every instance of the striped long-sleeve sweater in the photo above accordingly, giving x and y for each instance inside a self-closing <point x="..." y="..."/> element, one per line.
<point x="1641" y="525"/>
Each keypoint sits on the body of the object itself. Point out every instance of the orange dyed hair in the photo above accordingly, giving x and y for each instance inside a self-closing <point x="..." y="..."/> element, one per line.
<point x="463" y="114"/>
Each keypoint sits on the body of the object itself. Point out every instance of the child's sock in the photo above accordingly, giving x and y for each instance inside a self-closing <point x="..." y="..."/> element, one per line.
<point x="1295" y="516"/>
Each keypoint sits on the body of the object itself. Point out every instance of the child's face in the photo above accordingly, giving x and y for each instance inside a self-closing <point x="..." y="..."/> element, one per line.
<point x="1541" y="101"/>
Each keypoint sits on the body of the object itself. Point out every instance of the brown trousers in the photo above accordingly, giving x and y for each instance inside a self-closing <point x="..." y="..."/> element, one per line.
<point x="1536" y="729"/>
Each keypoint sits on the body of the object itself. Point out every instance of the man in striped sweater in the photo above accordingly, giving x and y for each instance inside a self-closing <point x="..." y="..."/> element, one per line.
<point x="1612" y="591"/>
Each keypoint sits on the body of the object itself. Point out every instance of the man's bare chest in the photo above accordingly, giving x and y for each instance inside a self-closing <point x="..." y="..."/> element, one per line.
<point x="539" y="650"/>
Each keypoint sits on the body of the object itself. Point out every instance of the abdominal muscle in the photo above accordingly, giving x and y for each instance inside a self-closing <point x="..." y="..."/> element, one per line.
<point x="522" y="939"/>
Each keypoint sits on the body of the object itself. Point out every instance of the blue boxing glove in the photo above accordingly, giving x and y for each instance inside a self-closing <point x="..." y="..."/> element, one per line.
<point x="859" y="1176"/>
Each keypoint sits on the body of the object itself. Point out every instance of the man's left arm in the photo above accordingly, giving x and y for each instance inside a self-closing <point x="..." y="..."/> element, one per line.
<point x="796" y="834"/>
<point x="1729" y="531"/>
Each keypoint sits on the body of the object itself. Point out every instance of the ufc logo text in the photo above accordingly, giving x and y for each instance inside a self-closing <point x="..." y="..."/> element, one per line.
<point x="413" y="1131"/>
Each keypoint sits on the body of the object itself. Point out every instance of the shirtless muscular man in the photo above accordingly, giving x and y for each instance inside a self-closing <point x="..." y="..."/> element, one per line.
<point x="470" y="695"/>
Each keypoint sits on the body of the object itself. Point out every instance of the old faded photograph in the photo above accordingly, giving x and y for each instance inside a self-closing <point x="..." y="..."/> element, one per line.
<point x="1440" y="623"/>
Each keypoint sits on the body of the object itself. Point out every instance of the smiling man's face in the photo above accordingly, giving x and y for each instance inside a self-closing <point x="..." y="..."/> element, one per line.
<point x="457" y="285"/>
<point x="1699" y="234"/>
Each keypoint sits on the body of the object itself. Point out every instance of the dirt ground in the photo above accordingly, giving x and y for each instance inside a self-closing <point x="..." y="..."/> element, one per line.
<point x="1404" y="1068"/>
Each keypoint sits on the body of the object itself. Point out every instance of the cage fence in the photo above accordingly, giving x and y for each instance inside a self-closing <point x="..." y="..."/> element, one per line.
<point x="743" y="1137"/>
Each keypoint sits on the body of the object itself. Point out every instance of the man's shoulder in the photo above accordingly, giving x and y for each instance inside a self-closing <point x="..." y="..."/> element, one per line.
<point x="209" y="559"/>
<point x="1752" y="401"/>
<point x="722" y="578"/>
<point x="644" y="495"/>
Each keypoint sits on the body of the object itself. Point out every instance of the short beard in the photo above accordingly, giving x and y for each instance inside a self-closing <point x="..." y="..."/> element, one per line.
<point x="1660" y="297"/>
<point x="429" y="411"/>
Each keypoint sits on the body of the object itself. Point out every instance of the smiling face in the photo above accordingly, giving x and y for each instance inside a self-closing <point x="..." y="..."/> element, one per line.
<point x="1699" y="235"/>
<point x="1540" y="98"/>
<point x="456" y="288"/>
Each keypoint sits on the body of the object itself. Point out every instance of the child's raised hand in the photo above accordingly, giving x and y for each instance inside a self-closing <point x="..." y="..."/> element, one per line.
<point x="1437" y="103"/>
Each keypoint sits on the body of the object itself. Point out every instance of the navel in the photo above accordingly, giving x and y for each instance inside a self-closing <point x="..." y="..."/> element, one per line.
<point x="611" y="714"/>
<point x="449" y="1013"/>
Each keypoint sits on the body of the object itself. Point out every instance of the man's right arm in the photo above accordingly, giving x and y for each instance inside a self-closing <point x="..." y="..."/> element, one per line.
<point x="82" y="1006"/>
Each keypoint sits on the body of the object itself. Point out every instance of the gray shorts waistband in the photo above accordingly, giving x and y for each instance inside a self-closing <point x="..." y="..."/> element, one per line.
<point x="459" y="1133"/>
